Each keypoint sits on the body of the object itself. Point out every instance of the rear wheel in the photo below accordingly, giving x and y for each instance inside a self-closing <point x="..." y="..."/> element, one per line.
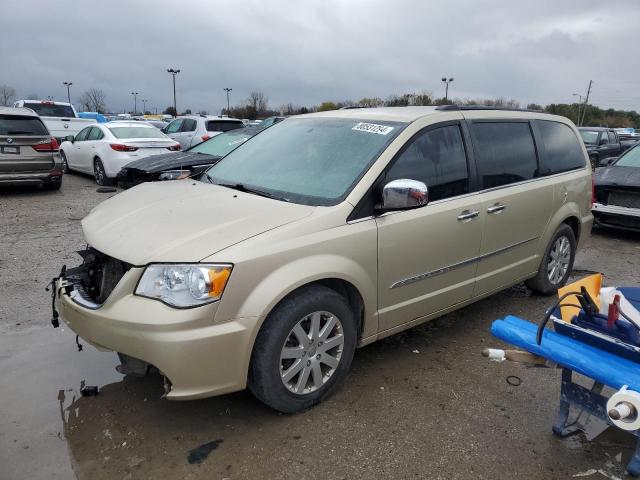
<point x="100" y="173"/>
<point x="557" y="263"/>
<point x="52" y="185"/>
<point x="303" y="350"/>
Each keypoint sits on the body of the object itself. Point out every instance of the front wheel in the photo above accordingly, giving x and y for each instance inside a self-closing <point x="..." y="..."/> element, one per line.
<point x="557" y="262"/>
<point x="65" y="164"/>
<point x="303" y="350"/>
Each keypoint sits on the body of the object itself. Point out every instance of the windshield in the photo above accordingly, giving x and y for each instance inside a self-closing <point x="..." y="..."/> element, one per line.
<point x="589" y="136"/>
<point x="630" y="159"/>
<point x="222" y="144"/>
<point x="51" y="109"/>
<point x="137" y="132"/>
<point x="313" y="161"/>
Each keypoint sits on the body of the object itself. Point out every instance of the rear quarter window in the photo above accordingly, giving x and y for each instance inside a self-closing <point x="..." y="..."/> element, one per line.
<point x="21" y="125"/>
<point x="505" y="152"/>
<point x="562" y="149"/>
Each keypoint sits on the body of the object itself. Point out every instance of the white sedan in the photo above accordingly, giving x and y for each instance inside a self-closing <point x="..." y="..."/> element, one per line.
<point x="103" y="149"/>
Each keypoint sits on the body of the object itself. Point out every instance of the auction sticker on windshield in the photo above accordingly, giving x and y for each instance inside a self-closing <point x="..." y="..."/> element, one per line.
<point x="372" y="128"/>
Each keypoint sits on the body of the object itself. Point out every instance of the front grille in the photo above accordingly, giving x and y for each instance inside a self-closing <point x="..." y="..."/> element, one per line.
<point x="624" y="199"/>
<point x="98" y="275"/>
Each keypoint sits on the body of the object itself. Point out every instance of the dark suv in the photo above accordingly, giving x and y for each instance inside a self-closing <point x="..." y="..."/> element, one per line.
<point x="28" y="153"/>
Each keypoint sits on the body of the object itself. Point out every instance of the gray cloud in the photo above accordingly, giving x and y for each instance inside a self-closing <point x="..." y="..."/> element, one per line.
<point x="309" y="51"/>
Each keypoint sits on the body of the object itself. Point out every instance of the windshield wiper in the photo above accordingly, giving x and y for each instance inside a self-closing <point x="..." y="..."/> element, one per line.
<point x="243" y="188"/>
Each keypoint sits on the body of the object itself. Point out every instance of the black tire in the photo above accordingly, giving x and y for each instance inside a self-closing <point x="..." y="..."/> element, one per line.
<point x="595" y="161"/>
<point x="265" y="380"/>
<point x="541" y="283"/>
<point x="65" y="164"/>
<point x="52" y="185"/>
<point x="100" y="174"/>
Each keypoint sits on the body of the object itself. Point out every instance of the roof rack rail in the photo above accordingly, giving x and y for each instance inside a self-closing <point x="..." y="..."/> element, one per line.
<point x="484" y="107"/>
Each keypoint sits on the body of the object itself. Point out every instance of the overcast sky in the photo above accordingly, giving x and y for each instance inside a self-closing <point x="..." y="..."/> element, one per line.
<point x="307" y="52"/>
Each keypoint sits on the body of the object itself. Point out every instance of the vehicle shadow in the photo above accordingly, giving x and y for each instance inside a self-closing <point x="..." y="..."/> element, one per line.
<point x="423" y="390"/>
<point x="609" y="232"/>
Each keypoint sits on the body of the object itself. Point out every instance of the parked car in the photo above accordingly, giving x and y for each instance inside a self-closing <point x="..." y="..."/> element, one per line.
<point x="326" y="232"/>
<point x="28" y="152"/>
<point x="190" y="163"/>
<point x="103" y="149"/>
<point x="617" y="192"/>
<point x="603" y="143"/>
<point x="60" y="118"/>
<point x="194" y="129"/>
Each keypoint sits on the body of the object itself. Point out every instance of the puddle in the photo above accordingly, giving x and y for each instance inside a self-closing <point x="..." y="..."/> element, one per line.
<point x="42" y="373"/>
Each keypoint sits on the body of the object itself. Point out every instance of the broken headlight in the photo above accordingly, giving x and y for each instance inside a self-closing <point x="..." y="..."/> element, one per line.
<point x="184" y="285"/>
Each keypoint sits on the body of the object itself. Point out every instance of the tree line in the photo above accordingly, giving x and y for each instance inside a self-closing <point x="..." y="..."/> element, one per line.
<point x="256" y="105"/>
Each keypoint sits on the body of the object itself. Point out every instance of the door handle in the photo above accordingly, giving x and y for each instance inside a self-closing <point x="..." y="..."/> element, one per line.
<point x="467" y="215"/>
<point x="497" y="208"/>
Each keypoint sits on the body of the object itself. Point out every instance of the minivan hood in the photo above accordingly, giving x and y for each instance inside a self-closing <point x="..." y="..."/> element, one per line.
<point x="182" y="221"/>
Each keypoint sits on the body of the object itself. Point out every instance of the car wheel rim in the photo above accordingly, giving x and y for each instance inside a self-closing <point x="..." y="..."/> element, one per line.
<point x="311" y="353"/>
<point x="559" y="258"/>
<point x="98" y="173"/>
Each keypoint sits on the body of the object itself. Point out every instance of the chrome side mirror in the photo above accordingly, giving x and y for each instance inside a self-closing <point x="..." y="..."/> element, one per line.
<point x="403" y="194"/>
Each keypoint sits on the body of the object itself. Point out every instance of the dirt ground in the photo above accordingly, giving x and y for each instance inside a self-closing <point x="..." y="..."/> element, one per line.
<point x="421" y="404"/>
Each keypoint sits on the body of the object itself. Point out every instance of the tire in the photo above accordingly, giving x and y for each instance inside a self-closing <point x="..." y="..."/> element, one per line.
<point x="100" y="174"/>
<point x="594" y="161"/>
<point x="288" y="382"/>
<point x="546" y="282"/>
<point x="65" y="164"/>
<point x="52" y="185"/>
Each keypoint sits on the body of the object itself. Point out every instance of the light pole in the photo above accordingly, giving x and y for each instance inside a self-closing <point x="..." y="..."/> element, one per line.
<point x="173" y="73"/>
<point x="144" y="106"/>
<point x="228" y="90"/>
<point x="135" y="102"/>
<point x="579" y="104"/>
<point x="68" y="84"/>
<point x="446" y="87"/>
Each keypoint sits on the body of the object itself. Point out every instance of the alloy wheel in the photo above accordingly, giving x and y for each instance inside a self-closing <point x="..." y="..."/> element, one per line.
<point x="559" y="258"/>
<point x="311" y="352"/>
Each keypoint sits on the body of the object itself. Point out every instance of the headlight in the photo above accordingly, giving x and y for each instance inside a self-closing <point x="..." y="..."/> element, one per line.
<point x="184" y="285"/>
<point x="174" y="174"/>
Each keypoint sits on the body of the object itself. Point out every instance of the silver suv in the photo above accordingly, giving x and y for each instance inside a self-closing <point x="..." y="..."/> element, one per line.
<point x="28" y="152"/>
<point x="194" y="129"/>
<point x="323" y="233"/>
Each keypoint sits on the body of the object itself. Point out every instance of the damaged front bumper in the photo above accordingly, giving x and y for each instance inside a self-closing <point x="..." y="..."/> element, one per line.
<point x="199" y="357"/>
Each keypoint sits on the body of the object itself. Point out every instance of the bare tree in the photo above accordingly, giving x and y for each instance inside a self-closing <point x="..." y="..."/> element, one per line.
<point x="257" y="101"/>
<point x="94" y="100"/>
<point x="7" y="95"/>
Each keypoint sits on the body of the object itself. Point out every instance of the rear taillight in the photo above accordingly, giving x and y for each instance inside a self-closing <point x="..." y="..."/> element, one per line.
<point x="50" y="146"/>
<point x="205" y="138"/>
<point x="593" y="191"/>
<point x="118" y="147"/>
<point x="174" y="148"/>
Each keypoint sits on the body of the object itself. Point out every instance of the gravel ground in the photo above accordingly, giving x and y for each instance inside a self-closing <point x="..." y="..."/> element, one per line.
<point x="421" y="404"/>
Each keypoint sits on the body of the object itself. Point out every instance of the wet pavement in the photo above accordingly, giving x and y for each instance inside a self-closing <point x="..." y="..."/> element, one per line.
<point x="421" y="404"/>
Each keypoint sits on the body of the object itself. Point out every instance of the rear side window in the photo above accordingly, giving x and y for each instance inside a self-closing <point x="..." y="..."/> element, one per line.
<point x="563" y="151"/>
<point x="21" y="125"/>
<point x="222" y="125"/>
<point x="612" y="137"/>
<point x="436" y="157"/>
<point x="51" y="110"/>
<point x="189" y="125"/>
<point x="505" y="152"/>
<point x="95" y="134"/>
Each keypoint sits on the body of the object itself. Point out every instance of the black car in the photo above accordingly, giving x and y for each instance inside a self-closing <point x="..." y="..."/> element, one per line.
<point x="617" y="192"/>
<point x="190" y="163"/>
<point x="602" y="143"/>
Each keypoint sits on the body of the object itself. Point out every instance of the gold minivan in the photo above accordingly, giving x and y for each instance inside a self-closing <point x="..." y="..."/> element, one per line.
<point x="322" y="233"/>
